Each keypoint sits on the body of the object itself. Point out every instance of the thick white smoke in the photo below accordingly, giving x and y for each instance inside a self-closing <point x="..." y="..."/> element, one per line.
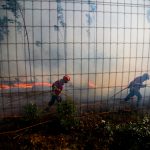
<point x="107" y="44"/>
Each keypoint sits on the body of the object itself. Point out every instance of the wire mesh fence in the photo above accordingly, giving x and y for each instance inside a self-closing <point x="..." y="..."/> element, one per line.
<point x="101" y="45"/>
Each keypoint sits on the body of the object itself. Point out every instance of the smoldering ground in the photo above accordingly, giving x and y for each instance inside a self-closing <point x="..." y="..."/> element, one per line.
<point x="108" y="49"/>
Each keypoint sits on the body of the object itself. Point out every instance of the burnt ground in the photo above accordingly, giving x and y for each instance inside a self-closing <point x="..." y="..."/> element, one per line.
<point x="95" y="129"/>
<point x="93" y="132"/>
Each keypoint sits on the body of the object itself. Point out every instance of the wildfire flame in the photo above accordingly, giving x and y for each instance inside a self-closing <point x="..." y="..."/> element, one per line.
<point x="91" y="84"/>
<point x="22" y="85"/>
<point x="42" y="84"/>
<point x="25" y="85"/>
<point x="2" y="86"/>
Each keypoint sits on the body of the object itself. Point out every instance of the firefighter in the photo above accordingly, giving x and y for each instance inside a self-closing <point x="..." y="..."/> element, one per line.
<point x="135" y="86"/>
<point x="57" y="87"/>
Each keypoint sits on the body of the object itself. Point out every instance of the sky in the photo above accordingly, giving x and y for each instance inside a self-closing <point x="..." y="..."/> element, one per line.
<point x="106" y="43"/>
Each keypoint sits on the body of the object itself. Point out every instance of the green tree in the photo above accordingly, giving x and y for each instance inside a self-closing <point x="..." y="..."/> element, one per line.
<point x="8" y="6"/>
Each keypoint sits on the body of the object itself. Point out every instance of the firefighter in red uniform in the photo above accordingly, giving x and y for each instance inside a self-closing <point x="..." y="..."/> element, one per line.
<point x="57" y="87"/>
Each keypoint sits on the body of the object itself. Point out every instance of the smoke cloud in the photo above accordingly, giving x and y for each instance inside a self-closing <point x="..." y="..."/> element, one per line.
<point x="107" y="45"/>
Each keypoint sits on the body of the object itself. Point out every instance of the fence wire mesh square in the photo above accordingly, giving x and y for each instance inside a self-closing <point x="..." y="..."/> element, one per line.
<point x="102" y="45"/>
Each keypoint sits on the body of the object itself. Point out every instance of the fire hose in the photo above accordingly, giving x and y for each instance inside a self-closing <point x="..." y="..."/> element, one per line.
<point x="50" y="91"/>
<point x="119" y="92"/>
<point x="123" y="90"/>
<point x="43" y="92"/>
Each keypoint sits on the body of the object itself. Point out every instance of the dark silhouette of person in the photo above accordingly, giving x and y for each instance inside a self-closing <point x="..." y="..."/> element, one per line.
<point x="135" y="86"/>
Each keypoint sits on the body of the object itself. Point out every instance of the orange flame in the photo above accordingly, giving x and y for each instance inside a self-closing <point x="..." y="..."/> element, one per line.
<point x="91" y="84"/>
<point x="22" y="85"/>
<point x="3" y="86"/>
<point x="42" y="84"/>
<point x="25" y="85"/>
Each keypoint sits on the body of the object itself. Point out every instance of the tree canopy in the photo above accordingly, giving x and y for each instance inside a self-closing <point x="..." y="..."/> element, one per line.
<point x="11" y="6"/>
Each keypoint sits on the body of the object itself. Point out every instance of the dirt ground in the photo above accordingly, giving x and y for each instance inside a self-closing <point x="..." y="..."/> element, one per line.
<point x="92" y="133"/>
